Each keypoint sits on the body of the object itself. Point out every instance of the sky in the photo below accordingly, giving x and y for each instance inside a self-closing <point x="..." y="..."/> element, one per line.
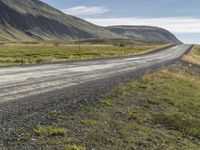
<point x="181" y="17"/>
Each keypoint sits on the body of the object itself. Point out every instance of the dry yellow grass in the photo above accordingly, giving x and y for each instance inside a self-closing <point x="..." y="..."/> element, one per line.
<point x="194" y="56"/>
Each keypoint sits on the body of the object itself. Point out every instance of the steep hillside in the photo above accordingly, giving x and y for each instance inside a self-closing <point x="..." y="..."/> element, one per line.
<point x="145" y="33"/>
<point x="33" y="19"/>
<point x="29" y="20"/>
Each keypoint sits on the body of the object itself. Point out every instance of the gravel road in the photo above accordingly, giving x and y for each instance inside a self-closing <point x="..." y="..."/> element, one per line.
<point x="29" y="93"/>
<point x="20" y="82"/>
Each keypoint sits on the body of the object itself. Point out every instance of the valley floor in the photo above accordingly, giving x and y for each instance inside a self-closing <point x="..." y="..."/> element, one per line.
<point x="20" y="54"/>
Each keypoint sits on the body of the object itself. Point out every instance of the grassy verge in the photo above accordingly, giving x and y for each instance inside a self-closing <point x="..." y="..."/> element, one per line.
<point x="194" y="56"/>
<point x="159" y="111"/>
<point x="16" y="54"/>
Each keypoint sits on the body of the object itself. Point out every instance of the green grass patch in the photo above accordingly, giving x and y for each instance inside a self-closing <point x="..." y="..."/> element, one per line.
<point x="58" y="141"/>
<point x="186" y="126"/>
<point x="74" y="147"/>
<point x="108" y="102"/>
<point x="50" y="131"/>
<point x="89" y="122"/>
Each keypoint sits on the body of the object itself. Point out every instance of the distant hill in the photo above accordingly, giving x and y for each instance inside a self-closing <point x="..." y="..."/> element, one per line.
<point x="32" y="20"/>
<point x="145" y="33"/>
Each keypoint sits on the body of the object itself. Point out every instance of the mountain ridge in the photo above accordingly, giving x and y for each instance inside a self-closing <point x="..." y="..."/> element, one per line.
<point x="145" y="33"/>
<point x="33" y="20"/>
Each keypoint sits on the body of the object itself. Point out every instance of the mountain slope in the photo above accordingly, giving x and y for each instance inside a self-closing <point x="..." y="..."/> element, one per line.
<point x="29" y="20"/>
<point x="33" y="19"/>
<point x="145" y="33"/>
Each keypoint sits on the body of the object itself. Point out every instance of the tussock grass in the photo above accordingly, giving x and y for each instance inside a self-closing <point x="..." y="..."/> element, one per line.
<point x="50" y="131"/>
<point x="89" y="122"/>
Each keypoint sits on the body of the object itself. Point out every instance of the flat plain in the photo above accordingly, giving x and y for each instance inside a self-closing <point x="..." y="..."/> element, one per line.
<point x="20" y="54"/>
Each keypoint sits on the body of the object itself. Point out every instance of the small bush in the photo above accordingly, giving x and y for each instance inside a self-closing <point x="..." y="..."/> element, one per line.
<point x="121" y="45"/>
<point x="38" y="61"/>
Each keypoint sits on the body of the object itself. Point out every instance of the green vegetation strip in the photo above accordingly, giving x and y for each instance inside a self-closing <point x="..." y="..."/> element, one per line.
<point x="17" y="54"/>
<point x="159" y="111"/>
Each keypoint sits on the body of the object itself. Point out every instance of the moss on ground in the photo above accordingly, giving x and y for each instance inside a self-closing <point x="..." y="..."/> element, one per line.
<point x="159" y="111"/>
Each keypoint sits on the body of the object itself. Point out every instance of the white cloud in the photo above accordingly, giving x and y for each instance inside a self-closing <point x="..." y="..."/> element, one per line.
<point x="86" y="10"/>
<point x="173" y="24"/>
